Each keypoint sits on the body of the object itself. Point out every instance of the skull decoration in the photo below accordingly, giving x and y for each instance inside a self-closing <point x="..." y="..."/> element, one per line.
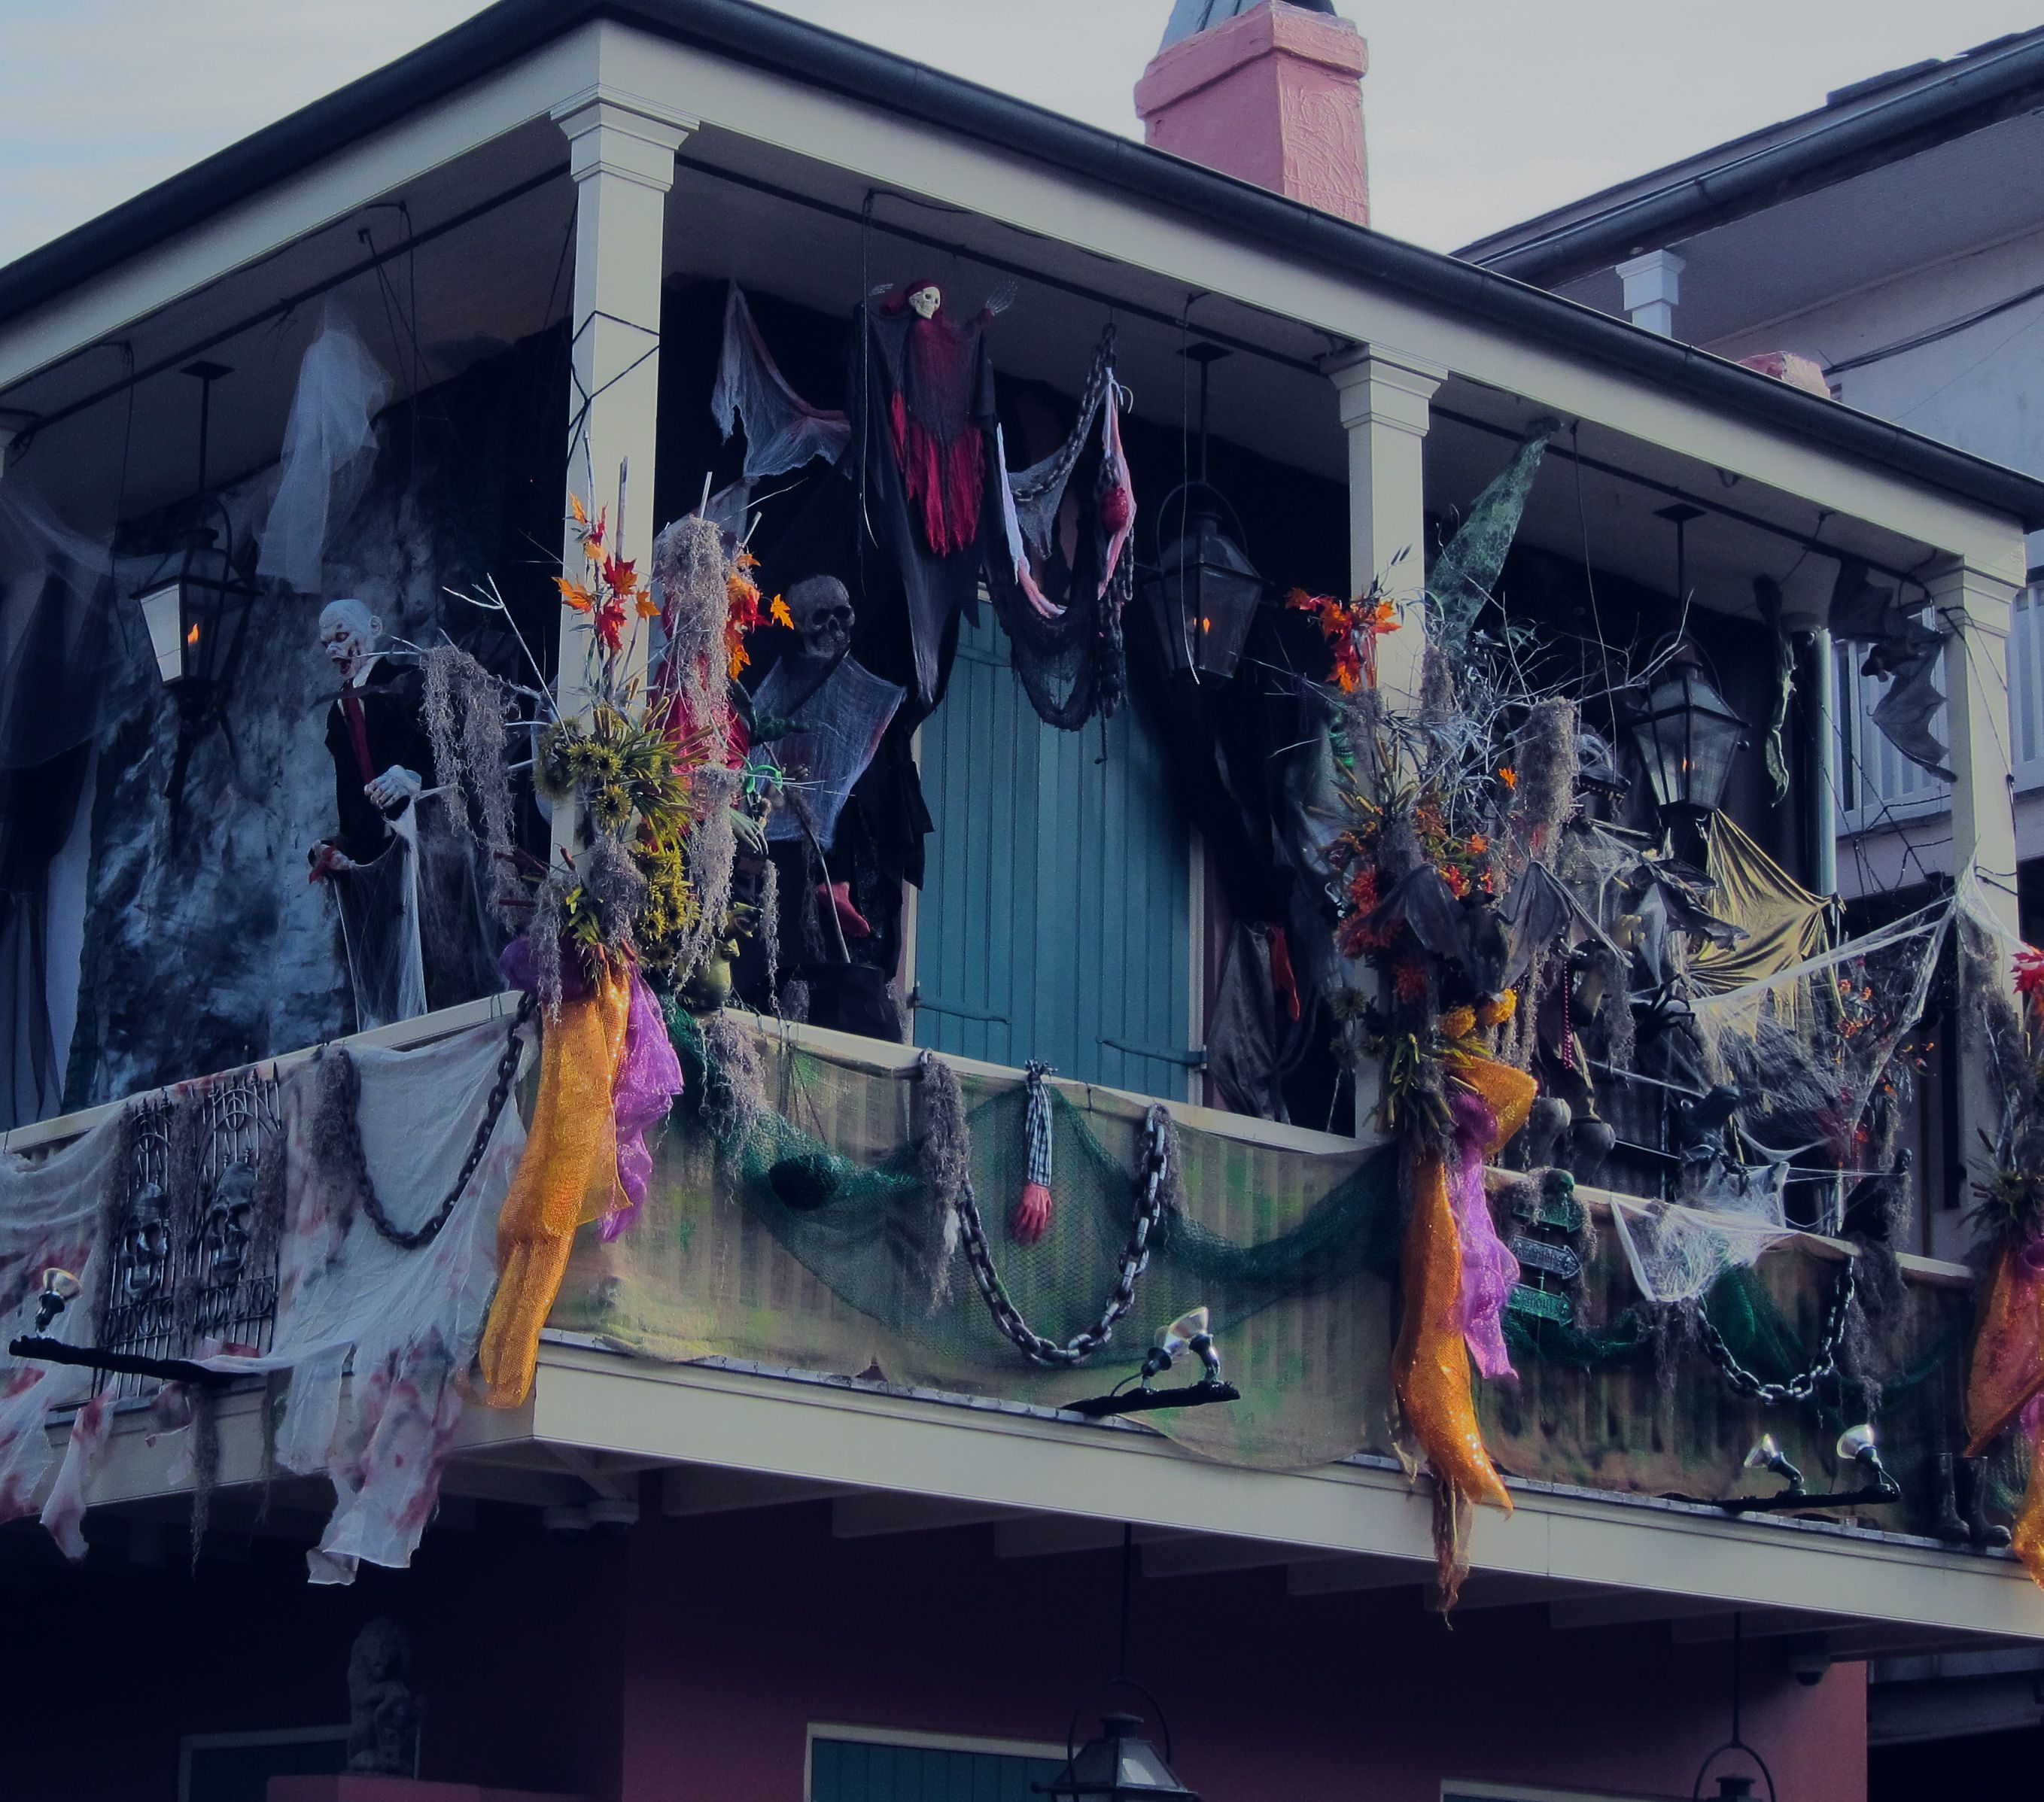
<point x="824" y="619"/>
<point x="224" y="1233"/>
<point x="146" y="1243"/>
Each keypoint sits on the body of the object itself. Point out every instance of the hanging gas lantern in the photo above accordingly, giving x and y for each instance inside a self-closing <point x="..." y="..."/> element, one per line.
<point x="1686" y="734"/>
<point x="193" y="604"/>
<point x="1204" y="593"/>
<point x="190" y="606"/>
<point x="1120" y="1765"/>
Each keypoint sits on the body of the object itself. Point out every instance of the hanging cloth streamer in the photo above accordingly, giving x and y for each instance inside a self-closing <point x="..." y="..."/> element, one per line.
<point x="1783" y="922"/>
<point x="568" y="1176"/>
<point x="1063" y="613"/>
<point x="329" y="452"/>
<point x="782" y="430"/>
<point x="1031" y="1218"/>
<point x="1446" y="1301"/>
<point x="1462" y="578"/>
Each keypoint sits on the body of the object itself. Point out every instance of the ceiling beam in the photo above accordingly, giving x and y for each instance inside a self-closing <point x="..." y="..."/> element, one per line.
<point x="871" y="1513"/>
<point x="1200" y="1555"/>
<point x="1343" y="1575"/>
<point x="710" y="1488"/>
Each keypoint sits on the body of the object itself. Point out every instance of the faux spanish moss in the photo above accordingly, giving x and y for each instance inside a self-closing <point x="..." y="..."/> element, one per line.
<point x="1545" y="760"/>
<point x="464" y="719"/>
<point x="946" y="1160"/>
<point x="735" y="1095"/>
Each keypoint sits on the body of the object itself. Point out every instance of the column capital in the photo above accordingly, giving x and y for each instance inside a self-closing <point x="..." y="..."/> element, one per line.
<point x="1969" y="575"/>
<point x="1381" y="386"/>
<point x="612" y="132"/>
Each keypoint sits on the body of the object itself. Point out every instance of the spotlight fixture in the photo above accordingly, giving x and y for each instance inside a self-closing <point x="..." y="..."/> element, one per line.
<point x="1190" y="1332"/>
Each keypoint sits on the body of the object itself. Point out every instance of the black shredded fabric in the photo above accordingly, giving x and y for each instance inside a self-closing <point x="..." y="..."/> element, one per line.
<point x="1075" y="665"/>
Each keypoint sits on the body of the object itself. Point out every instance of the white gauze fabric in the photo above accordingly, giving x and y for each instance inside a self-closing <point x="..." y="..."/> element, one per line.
<point x="405" y="1323"/>
<point x="49" y="1215"/>
<point x="329" y="450"/>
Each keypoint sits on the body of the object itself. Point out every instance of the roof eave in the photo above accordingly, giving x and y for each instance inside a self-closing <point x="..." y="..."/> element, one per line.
<point x="788" y="46"/>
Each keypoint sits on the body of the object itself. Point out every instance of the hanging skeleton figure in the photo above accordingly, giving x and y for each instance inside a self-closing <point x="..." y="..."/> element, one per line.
<point x="927" y="384"/>
<point x="396" y="890"/>
<point x="823" y="714"/>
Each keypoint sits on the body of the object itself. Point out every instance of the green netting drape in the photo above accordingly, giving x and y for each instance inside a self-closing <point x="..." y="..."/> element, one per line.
<point x="807" y="1242"/>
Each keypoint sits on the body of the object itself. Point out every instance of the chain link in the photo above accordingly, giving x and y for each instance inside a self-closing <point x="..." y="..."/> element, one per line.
<point x="348" y="1103"/>
<point x="1134" y="1260"/>
<point x="1803" y="1384"/>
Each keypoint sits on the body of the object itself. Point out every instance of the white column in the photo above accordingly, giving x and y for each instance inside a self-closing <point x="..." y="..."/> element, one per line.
<point x="1653" y="289"/>
<point x="1384" y="396"/>
<point x="1975" y="607"/>
<point x="621" y="155"/>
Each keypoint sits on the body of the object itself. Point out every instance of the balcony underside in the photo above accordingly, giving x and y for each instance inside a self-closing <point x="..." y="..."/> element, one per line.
<point x="701" y="1439"/>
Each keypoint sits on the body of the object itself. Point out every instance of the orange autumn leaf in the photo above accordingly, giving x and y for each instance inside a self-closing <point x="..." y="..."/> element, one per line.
<point x="618" y="572"/>
<point x="779" y="614"/>
<point x="1508" y="776"/>
<point x="573" y="594"/>
<point x="580" y="513"/>
<point x="738" y="660"/>
<point x="648" y="607"/>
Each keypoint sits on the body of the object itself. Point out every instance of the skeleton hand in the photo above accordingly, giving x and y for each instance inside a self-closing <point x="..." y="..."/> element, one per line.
<point x="325" y="859"/>
<point x="396" y="783"/>
<point x="1002" y="298"/>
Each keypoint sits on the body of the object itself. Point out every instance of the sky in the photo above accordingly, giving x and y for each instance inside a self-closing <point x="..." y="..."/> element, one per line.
<point x="1479" y="112"/>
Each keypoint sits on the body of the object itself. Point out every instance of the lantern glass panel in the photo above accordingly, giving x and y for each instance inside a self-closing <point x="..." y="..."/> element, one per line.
<point x="1229" y="589"/>
<point x="1687" y="737"/>
<point x="1203" y="600"/>
<point x="1120" y="1766"/>
<point x="164" y="613"/>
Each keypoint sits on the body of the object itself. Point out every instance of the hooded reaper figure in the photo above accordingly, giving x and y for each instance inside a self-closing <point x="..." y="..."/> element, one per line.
<point x="929" y="391"/>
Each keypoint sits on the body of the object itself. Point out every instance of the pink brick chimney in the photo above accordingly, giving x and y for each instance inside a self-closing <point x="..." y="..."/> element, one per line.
<point x="1273" y="96"/>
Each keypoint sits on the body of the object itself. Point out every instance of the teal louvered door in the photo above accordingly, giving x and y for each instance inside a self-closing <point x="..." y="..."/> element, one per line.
<point x="1055" y="921"/>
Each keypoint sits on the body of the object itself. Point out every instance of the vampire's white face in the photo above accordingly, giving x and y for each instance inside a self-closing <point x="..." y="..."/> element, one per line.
<point x="926" y="301"/>
<point x="349" y="632"/>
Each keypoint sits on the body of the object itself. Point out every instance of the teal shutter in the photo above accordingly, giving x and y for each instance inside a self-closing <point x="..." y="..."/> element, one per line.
<point x="856" y="1770"/>
<point x="1055" y="920"/>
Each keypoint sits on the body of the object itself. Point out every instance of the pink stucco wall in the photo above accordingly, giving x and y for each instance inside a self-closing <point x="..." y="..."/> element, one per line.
<point x="687" y="1661"/>
<point x="1271" y="97"/>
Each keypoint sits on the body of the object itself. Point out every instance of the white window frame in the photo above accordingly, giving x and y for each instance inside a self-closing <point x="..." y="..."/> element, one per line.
<point x="190" y="1742"/>
<point x="1525" y="1793"/>
<point x="911" y="1741"/>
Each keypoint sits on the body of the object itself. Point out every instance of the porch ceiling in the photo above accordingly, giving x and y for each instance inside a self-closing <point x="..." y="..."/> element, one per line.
<point x="488" y="268"/>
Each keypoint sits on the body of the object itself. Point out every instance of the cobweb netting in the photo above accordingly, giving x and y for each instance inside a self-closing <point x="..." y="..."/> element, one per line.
<point x="1811" y="1050"/>
<point x="1293" y="1251"/>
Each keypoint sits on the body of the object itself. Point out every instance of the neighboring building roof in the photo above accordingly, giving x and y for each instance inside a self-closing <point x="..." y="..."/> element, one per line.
<point x="1863" y="126"/>
<point x="800" y="52"/>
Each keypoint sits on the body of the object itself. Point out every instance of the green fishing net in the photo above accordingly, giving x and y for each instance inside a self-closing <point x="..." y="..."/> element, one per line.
<point x="801" y="1236"/>
<point x="806" y="1238"/>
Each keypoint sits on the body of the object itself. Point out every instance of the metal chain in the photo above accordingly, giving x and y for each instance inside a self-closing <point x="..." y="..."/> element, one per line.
<point x="1802" y="1385"/>
<point x="349" y="1102"/>
<point x="1134" y="1260"/>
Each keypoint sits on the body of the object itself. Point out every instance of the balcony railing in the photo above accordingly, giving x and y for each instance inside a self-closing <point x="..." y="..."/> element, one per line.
<point x="1879" y="787"/>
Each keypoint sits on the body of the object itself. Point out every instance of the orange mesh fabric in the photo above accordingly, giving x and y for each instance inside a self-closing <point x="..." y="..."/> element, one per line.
<point x="568" y="1176"/>
<point x="2008" y="1347"/>
<point x="1432" y="1365"/>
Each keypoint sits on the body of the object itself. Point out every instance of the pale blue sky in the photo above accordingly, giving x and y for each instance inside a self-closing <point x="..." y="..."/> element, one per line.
<point x="1480" y="111"/>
